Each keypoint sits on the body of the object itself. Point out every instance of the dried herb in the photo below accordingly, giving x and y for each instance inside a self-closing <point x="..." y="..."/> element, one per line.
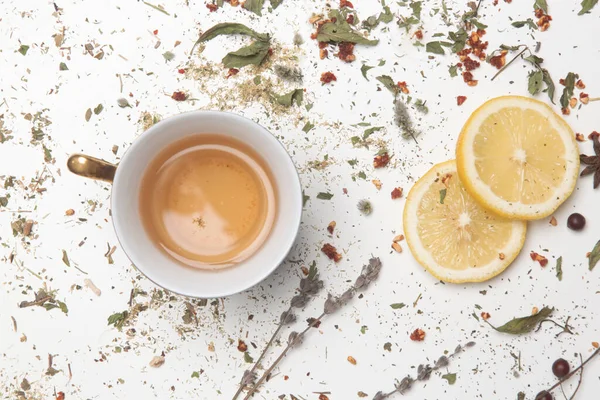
<point x="364" y="70"/>
<point x="230" y="28"/>
<point x="122" y="102"/>
<point x="368" y="132"/>
<point x="65" y="258"/>
<point x="168" y="56"/>
<point x="309" y="287"/>
<point x="295" y="96"/>
<point x="98" y="109"/>
<point x="88" y="114"/>
<point x="569" y="83"/>
<point x="386" y="16"/>
<point x="4" y="200"/>
<point x="587" y="5"/>
<point x="397" y="306"/>
<point x="253" y="54"/>
<point x="522" y="325"/>
<point x="535" y="82"/>
<point x="594" y="256"/>
<point x="275" y="3"/>
<point x="63" y="67"/>
<point x="307" y="127"/>
<point x="453" y="70"/>
<point x="424" y="372"/>
<point x="403" y="120"/>
<point x="292" y="74"/>
<point x="254" y="5"/>
<point x="118" y="319"/>
<point x="23" y="49"/>
<point x="559" y="272"/>
<point x="389" y="83"/>
<point x="338" y="30"/>
<point x="324" y="196"/>
<point x="414" y="19"/>
<point x="332" y="304"/>
<point x="436" y="47"/>
<point x="157" y="8"/>
<point x="442" y="195"/>
<point x="529" y="22"/>
<point x="421" y="106"/>
<point x="592" y="163"/>
<point x="365" y="207"/>
<point x="47" y="300"/>
<point x="451" y="378"/>
<point x="541" y="4"/>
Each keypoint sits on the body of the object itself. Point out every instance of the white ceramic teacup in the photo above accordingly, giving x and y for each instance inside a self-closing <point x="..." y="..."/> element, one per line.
<point x="146" y="255"/>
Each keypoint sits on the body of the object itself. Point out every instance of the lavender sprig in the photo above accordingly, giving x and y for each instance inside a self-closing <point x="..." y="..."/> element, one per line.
<point x="369" y="273"/>
<point x="308" y="288"/>
<point x="424" y="372"/>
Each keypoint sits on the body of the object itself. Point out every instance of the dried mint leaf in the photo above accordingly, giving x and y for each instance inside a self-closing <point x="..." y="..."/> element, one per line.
<point x="541" y="4"/>
<point x="397" y="306"/>
<point x="453" y="70"/>
<point x="587" y="5"/>
<point x="559" y="272"/>
<point x="230" y="28"/>
<point x="254" y="5"/>
<point x="522" y="325"/>
<point x="248" y="358"/>
<point x="435" y="48"/>
<point x="253" y="54"/>
<point x="529" y="22"/>
<point x="442" y="195"/>
<point x="535" y="82"/>
<point x="550" y="88"/>
<point x="451" y="378"/>
<point x="568" y="90"/>
<point x="324" y="196"/>
<point x="364" y="70"/>
<point x="63" y="67"/>
<point x="388" y="82"/>
<point x="594" y="256"/>
<point x="341" y="31"/>
<point x="295" y="96"/>
<point x="23" y="49"/>
<point x="307" y="127"/>
<point x="275" y="3"/>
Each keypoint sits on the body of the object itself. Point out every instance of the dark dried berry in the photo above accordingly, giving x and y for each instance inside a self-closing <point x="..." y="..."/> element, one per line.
<point x="544" y="395"/>
<point x="576" y="222"/>
<point x="561" y="368"/>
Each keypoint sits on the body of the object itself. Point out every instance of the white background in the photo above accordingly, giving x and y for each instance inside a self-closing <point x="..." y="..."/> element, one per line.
<point x="33" y="83"/>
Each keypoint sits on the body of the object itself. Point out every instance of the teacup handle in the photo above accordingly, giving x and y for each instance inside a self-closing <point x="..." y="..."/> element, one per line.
<point x="91" y="167"/>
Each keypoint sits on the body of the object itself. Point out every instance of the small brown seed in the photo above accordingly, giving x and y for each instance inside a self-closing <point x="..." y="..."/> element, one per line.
<point x="351" y="360"/>
<point x="397" y="247"/>
<point x="69" y="212"/>
<point x="398" y="238"/>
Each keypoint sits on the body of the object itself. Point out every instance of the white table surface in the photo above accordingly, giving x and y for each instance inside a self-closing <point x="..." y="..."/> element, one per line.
<point x="82" y="340"/>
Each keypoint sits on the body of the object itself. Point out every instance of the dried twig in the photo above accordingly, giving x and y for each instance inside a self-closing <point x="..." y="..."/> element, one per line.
<point x="570" y="374"/>
<point x="423" y="373"/>
<point x="332" y="304"/>
<point x="309" y="287"/>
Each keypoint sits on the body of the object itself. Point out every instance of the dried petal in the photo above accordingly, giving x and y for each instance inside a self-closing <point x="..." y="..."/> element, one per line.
<point x="331" y="305"/>
<point x="248" y="378"/>
<point x="299" y="301"/>
<point x="442" y="362"/>
<point x="294" y="339"/>
<point x="380" y="396"/>
<point x="287" y="317"/>
<point x="404" y="384"/>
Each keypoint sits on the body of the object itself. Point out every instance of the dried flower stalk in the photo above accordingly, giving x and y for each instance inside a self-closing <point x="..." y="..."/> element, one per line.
<point x="309" y="287"/>
<point x="368" y="274"/>
<point x="424" y="372"/>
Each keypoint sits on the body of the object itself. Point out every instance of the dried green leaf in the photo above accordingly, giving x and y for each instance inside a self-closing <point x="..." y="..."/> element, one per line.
<point x="168" y="55"/>
<point x="364" y="70"/>
<point x="23" y="49"/>
<point x="510" y="48"/>
<point x="275" y="3"/>
<point x="559" y="272"/>
<point x="535" y="60"/>
<point x="529" y="22"/>
<point x="386" y="15"/>
<point x="63" y="67"/>
<point x="4" y="201"/>
<point x="118" y="319"/>
<point x="230" y="28"/>
<point x="522" y="325"/>
<point x="397" y="306"/>
<point x="389" y="83"/>
<point x="478" y="24"/>
<point x="535" y="82"/>
<point x="338" y="30"/>
<point x="568" y="90"/>
<point x="594" y="256"/>
<point x="254" y="5"/>
<point x="324" y="196"/>
<point x="253" y="54"/>
<point x="307" y="127"/>
<point x="98" y="109"/>
<point x="123" y="102"/>
<point x="196" y="374"/>
<point x="63" y="306"/>
<point x="451" y="378"/>
<point x="370" y="131"/>
<point x="362" y="175"/>
<point x="442" y="195"/>
<point x="247" y="358"/>
<point x="47" y="153"/>
<point x="364" y="329"/>
<point x="587" y="5"/>
<point x="65" y="258"/>
<point x="550" y="88"/>
<point x="435" y="48"/>
<point x="312" y="271"/>
<point x="541" y="4"/>
<point x="295" y="96"/>
<point x="416" y="6"/>
<point x="453" y="70"/>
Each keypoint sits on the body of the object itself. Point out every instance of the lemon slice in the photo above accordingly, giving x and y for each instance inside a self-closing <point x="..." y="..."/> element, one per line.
<point x="518" y="158"/>
<point x="451" y="235"/>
